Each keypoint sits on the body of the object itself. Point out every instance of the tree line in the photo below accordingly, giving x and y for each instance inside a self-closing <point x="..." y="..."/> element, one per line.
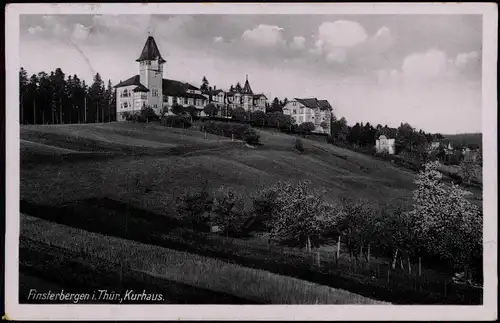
<point x="57" y="98"/>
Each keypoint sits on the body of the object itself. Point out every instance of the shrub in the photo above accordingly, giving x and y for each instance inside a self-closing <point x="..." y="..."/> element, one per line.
<point x="251" y="137"/>
<point x="228" y="212"/>
<point x="148" y="114"/>
<point x="176" y="121"/>
<point x="330" y="139"/>
<point x="194" y="209"/>
<point x="211" y="110"/>
<point x="228" y="129"/>
<point x="307" y="127"/>
<point x="299" y="145"/>
<point x="177" y="109"/>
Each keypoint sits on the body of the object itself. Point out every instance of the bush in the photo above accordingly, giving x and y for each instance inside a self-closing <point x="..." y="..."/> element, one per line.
<point x="307" y="127"/>
<point x="299" y="145"/>
<point x="228" y="129"/>
<point x="330" y="139"/>
<point x="176" y="121"/>
<point x="251" y="137"/>
<point x="194" y="209"/>
<point x="228" y="212"/>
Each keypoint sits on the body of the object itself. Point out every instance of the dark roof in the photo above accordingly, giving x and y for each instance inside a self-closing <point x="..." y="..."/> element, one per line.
<point x="246" y="88"/>
<point x="325" y="105"/>
<point x="215" y="92"/>
<point x="134" y="80"/>
<point x="311" y="103"/>
<point x="256" y="96"/>
<point x="140" y="88"/>
<point x="314" y="103"/>
<point x="150" y="52"/>
<point x="177" y="88"/>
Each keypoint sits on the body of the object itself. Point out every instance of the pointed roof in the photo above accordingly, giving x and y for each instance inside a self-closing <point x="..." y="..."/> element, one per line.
<point x="246" y="88"/>
<point x="150" y="52"/>
<point x="325" y="105"/>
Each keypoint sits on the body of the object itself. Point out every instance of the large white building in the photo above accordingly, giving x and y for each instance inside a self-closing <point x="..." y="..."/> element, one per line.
<point x="149" y="88"/>
<point x="312" y="110"/>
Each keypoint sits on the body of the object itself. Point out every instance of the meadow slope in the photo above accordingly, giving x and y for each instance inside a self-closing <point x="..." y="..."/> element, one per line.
<point x="150" y="165"/>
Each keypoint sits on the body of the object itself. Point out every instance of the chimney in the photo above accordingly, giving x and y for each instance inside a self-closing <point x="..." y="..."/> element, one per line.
<point x="215" y="88"/>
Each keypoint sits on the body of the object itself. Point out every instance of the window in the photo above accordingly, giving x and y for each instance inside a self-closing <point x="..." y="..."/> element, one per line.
<point x="301" y="110"/>
<point x="125" y="93"/>
<point x="190" y="101"/>
<point x="155" y="92"/>
<point x="198" y="102"/>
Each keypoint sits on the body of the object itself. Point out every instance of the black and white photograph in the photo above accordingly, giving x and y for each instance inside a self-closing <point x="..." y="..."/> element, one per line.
<point x="174" y="157"/>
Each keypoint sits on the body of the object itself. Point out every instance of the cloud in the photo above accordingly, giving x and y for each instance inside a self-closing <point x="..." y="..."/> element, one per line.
<point x="463" y="59"/>
<point x="218" y="39"/>
<point x="425" y="66"/>
<point x="264" y="35"/>
<point x="335" y="39"/>
<point x="337" y="55"/>
<point x="341" y="33"/>
<point x="298" y="43"/>
<point x="382" y="40"/>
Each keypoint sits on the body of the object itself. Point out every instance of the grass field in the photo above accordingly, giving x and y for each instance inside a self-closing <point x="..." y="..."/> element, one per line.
<point x="126" y="171"/>
<point x="148" y="166"/>
<point x="190" y="269"/>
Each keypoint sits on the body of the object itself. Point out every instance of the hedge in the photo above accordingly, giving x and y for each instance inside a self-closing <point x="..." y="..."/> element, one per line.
<point x="233" y="130"/>
<point x="175" y="121"/>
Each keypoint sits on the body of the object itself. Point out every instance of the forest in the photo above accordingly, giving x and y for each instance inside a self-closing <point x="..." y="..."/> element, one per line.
<point x="57" y="98"/>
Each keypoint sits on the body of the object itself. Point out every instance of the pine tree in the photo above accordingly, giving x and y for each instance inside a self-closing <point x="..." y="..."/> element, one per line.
<point x="96" y="96"/>
<point x="108" y="98"/>
<point x="23" y="87"/>
<point x="58" y="85"/>
<point x="33" y="95"/>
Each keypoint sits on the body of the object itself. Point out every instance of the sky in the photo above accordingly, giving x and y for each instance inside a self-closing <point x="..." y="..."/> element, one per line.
<point x="382" y="69"/>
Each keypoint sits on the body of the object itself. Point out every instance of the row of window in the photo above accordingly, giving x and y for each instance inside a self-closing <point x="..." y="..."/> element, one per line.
<point x="126" y="105"/>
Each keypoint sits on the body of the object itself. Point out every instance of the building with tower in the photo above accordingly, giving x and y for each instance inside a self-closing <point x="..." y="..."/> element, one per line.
<point x="149" y="88"/>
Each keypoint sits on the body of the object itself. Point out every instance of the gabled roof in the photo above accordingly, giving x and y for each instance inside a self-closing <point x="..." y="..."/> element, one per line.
<point x="134" y="80"/>
<point x="311" y="103"/>
<point x="246" y="88"/>
<point x="150" y="52"/>
<point x="325" y="105"/>
<point x="140" y="88"/>
<point x="177" y="88"/>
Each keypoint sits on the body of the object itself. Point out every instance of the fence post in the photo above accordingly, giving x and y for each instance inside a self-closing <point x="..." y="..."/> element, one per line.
<point x="318" y="258"/>
<point x="205" y="134"/>
<point x="338" y="248"/>
<point x="232" y="137"/>
<point x="420" y="266"/>
<point x="368" y="256"/>
<point x="445" y="288"/>
<point x="388" y="275"/>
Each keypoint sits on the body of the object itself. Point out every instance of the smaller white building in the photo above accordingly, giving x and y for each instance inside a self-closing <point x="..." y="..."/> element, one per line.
<point x="384" y="144"/>
<point x="319" y="112"/>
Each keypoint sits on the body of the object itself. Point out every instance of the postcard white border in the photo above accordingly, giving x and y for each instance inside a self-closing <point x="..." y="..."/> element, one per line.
<point x="488" y="311"/>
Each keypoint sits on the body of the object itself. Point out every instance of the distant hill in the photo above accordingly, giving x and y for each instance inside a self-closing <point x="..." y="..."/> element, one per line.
<point x="465" y="139"/>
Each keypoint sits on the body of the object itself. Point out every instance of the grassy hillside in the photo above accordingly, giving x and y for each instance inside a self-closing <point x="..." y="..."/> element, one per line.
<point x="149" y="166"/>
